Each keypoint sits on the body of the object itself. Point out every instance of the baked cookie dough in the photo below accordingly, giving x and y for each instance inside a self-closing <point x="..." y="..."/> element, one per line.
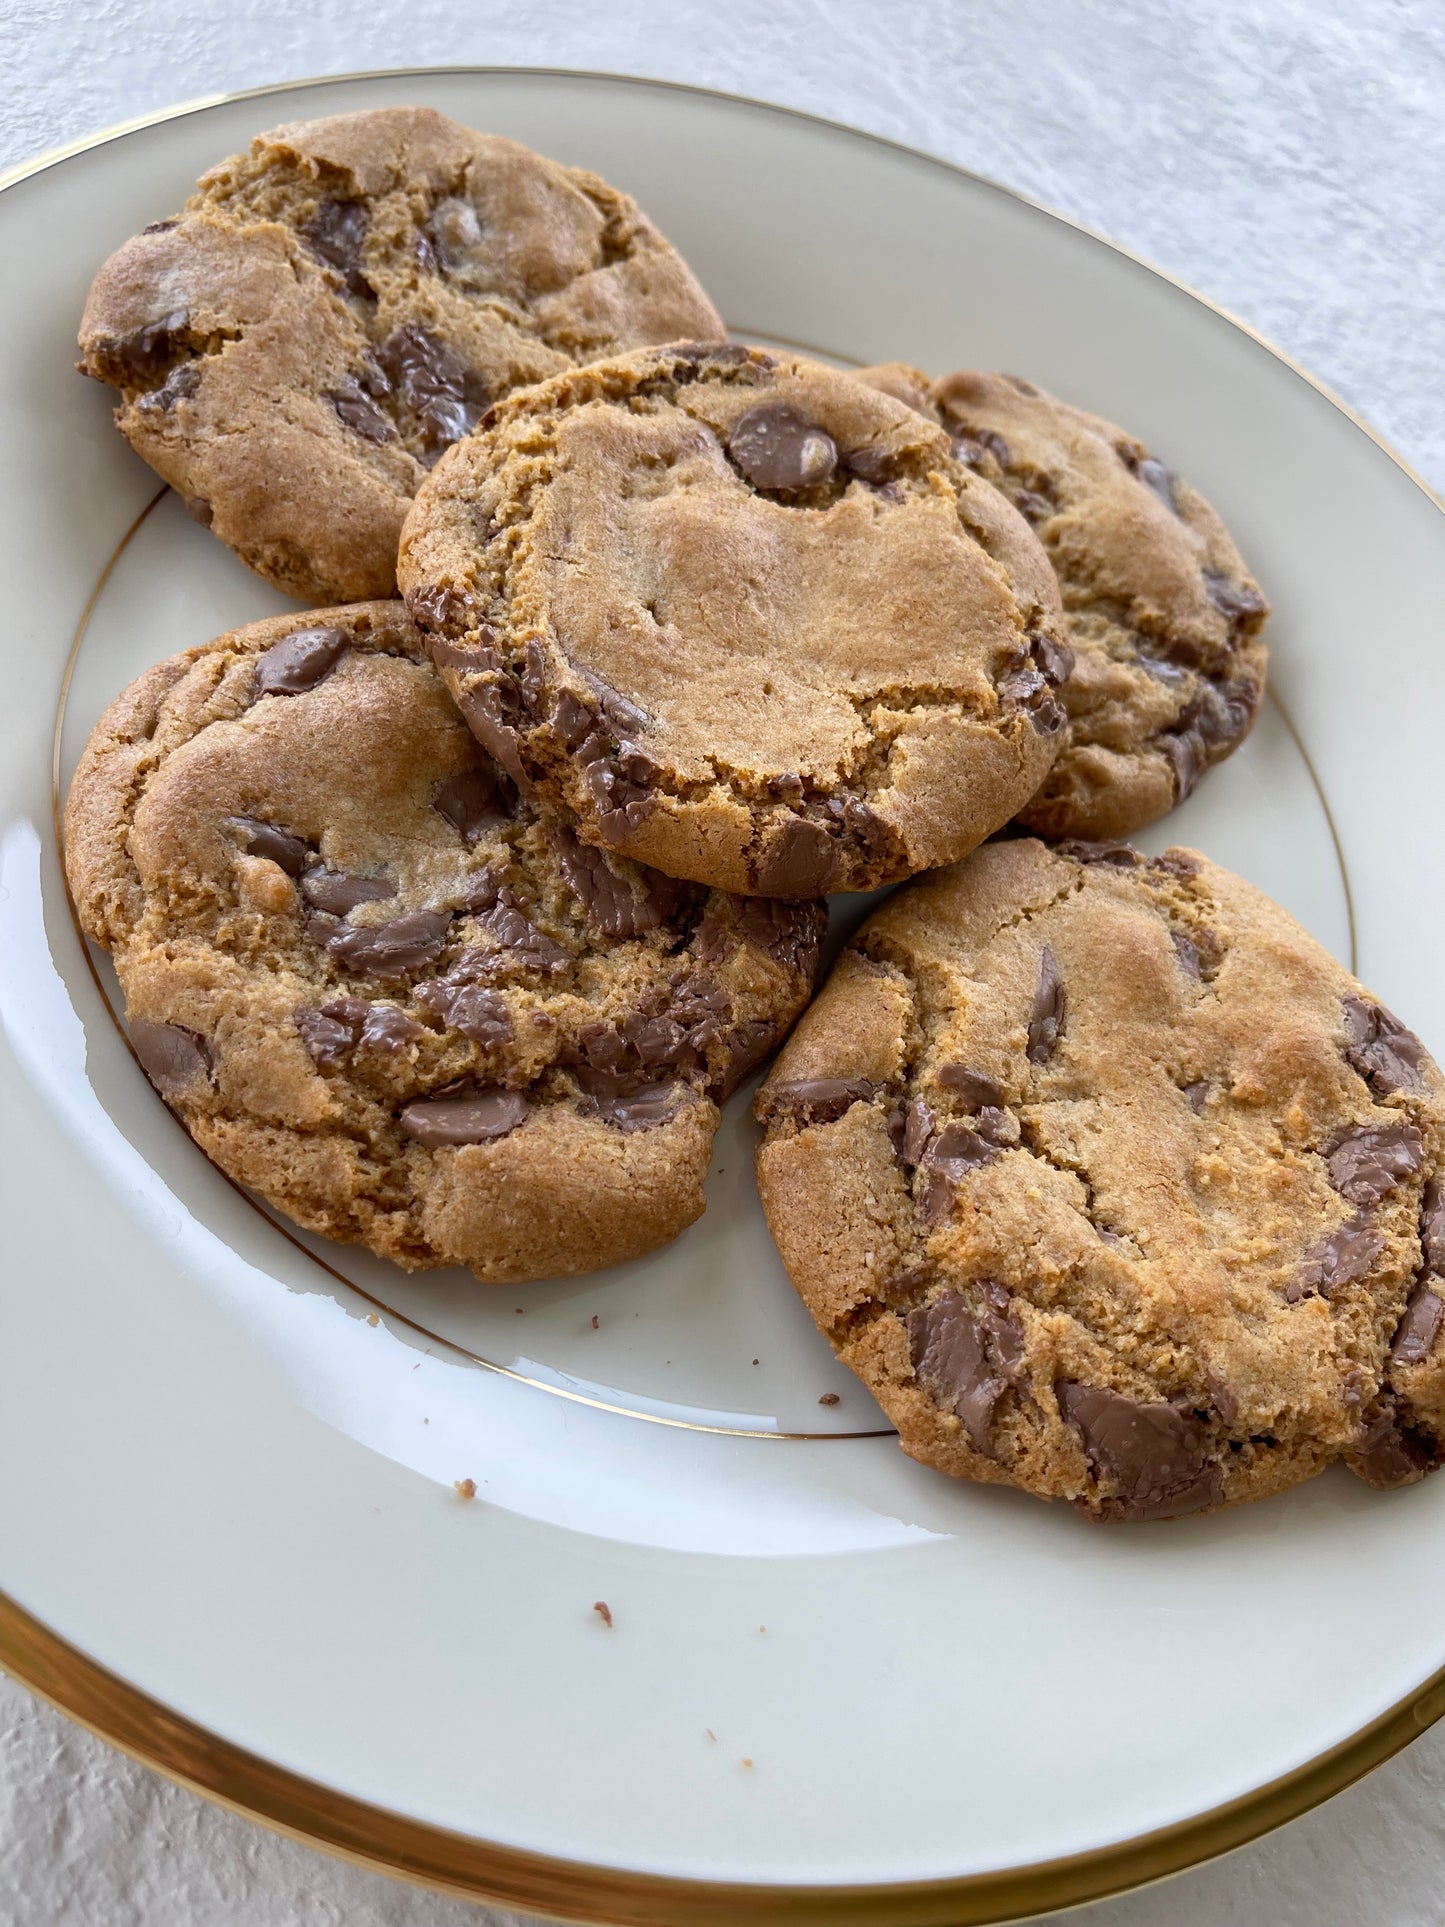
<point x="333" y="308"/>
<point x="744" y="616"/>
<point x="1163" y="615"/>
<point x="1111" y="1184"/>
<point x="379" y="988"/>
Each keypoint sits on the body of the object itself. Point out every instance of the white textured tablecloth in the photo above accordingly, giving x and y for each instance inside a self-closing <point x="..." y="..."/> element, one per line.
<point x="1285" y="156"/>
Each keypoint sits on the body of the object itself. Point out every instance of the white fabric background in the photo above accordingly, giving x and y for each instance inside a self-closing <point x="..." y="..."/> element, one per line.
<point x="1285" y="156"/>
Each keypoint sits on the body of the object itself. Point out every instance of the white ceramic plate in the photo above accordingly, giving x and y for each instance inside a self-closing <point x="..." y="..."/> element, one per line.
<point x="836" y="1685"/>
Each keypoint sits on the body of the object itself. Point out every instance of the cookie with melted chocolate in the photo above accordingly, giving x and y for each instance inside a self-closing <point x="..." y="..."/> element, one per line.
<point x="389" y="993"/>
<point x="1164" y="617"/>
<point x="749" y="620"/>
<point x="333" y="308"/>
<point x="1110" y="1183"/>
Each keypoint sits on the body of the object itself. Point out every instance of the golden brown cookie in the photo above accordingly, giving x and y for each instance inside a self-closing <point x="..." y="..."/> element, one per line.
<point x="747" y="618"/>
<point x="385" y="992"/>
<point x="1111" y="1184"/>
<point x="335" y="307"/>
<point x="1164" y="617"/>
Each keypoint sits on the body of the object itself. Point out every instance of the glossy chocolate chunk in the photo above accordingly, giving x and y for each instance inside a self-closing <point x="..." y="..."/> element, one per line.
<point x="1368" y="1160"/>
<point x="334" y="1030"/>
<point x="1156" y="477"/>
<point x="173" y="1058"/>
<point x="1197" y="1094"/>
<point x="477" y="1013"/>
<point x="1155" y="1454"/>
<point x="144" y="352"/>
<point x="801" y="861"/>
<point x="361" y="412"/>
<point x="521" y="942"/>
<point x="777" y="447"/>
<point x="790" y="932"/>
<point x="821" y="1100"/>
<point x="1114" y="856"/>
<point x="471" y="804"/>
<point x="299" y="661"/>
<point x="609" y="901"/>
<point x="468" y="1116"/>
<point x="431" y="380"/>
<point x="1418" y="1328"/>
<point x="336" y="232"/>
<point x="338" y="894"/>
<point x="1344" y="1256"/>
<point x="1388" y="1057"/>
<point x="974" y="1088"/>
<point x="386" y="1030"/>
<point x="392" y="950"/>
<point x="179" y="385"/>
<point x="951" y="1361"/>
<point x="258" y="838"/>
<point x="328" y="1034"/>
<point x="1046" y="1013"/>
<point x="488" y="712"/>
<point x="640" y="1109"/>
<point x="973" y="445"/>
<point x="952" y="1153"/>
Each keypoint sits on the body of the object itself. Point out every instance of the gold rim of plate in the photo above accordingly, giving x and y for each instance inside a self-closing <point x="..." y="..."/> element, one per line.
<point x="484" y="1870"/>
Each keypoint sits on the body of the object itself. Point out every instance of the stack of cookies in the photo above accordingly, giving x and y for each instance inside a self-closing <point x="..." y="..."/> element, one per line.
<point x="449" y="913"/>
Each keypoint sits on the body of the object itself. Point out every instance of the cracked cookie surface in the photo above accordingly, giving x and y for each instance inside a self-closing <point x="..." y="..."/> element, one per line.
<point x="1164" y="617"/>
<point x="381" y="989"/>
<point x="1110" y="1183"/>
<point x="336" y="306"/>
<point x="747" y="618"/>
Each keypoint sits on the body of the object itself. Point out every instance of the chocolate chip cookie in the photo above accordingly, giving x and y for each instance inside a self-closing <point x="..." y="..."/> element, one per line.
<point x="750" y="620"/>
<point x="381" y="989"/>
<point x="1111" y="1184"/>
<point x="1164" y="618"/>
<point x="332" y="309"/>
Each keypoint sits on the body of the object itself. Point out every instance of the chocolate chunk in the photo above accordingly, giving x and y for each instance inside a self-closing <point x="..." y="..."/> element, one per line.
<point x="392" y="950"/>
<point x="159" y="227"/>
<point x="1389" y="1451"/>
<point x="1054" y="658"/>
<point x="328" y="1036"/>
<point x="453" y="231"/>
<point x="859" y="820"/>
<point x="972" y="445"/>
<point x="747" y="1045"/>
<point x="821" y="1100"/>
<point x="1031" y="505"/>
<point x="1046" y="1014"/>
<point x="199" y="510"/>
<point x="609" y="901"/>
<point x="573" y="721"/>
<point x="1388" y="1057"/>
<point x="1154" y="1453"/>
<point x="532" y="682"/>
<point x="1219" y="716"/>
<point x="1418" y="1328"/>
<point x="951" y="1361"/>
<point x="975" y="1088"/>
<point x="278" y="846"/>
<point x="1173" y="673"/>
<point x="1345" y="1255"/>
<point x="360" y="412"/>
<point x="467" y="1116"/>
<point x="953" y="1153"/>
<point x="777" y="447"/>
<point x="1031" y="677"/>
<point x="789" y="932"/>
<point x="436" y="608"/>
<point x="338" y="894"/>
<point x="1368" y="1160"/>
<point x="469" y="802"/>
<point x="179" y="385"/>
<point x="1155" y="476"/>
<point x="486" y="708"/>
<point x="299" y="661"/>
<point x="1005" y="1333"/>
<point x="1237" y="600"/>
<point x="1187" y="951"/>
<point x="443" y="394"/>
<point x="173" y="1058"/>
<point x="918" y="1127"/>
<point x="1197" y="1094"/>
<point x="336" y="232"/>
<point x="877" y="466"/>
<point x="623" y="717"/>
<point x="1432" y="1227"/>
<point x="385" y="1029"/>
<point x="1113" y="856"/>
<point x="801" y="860"/>
<point x="479" y="1014"/>
<point x="144" y="352"/>
<point x="1221" y="1397"/>
<point x="1176" y="863"/>
<point x="521" y="944"/>
<point x="638" y="1110"/>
